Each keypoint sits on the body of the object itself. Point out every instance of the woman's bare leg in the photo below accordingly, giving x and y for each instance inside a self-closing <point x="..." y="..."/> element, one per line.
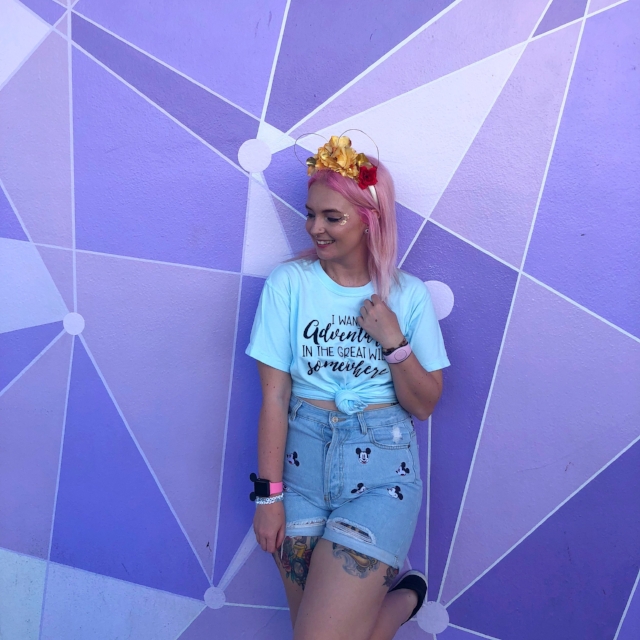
<point x="343" y="594"/>
<point x="292" y="560"/>
<point x="396" y="608"/>
<point x="294" y="567"/>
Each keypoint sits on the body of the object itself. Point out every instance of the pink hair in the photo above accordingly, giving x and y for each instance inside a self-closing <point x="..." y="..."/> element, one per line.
<point x="382" y="238"/>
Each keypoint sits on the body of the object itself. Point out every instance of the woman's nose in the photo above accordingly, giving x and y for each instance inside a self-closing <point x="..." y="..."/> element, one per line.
<point x="317" y="227"/>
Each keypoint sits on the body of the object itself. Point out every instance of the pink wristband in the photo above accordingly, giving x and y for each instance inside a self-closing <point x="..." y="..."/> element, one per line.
<point x="399" y="355"/>
<point x="274" y="488"/>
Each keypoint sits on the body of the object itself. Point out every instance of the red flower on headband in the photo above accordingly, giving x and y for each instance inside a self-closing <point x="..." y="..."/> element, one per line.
<point x="368" y="176"/>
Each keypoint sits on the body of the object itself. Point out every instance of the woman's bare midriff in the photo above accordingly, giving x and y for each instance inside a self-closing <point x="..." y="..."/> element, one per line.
<point x="330" y="405"/>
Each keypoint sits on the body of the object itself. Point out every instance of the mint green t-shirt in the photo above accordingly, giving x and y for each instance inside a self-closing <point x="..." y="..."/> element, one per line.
<point x="306" y="325"/>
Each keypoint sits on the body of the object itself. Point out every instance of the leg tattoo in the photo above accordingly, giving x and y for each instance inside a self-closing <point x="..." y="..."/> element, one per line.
<point x="296" y="556"/>
<point x="355" y="563"/>
<point x="390" y="576"/>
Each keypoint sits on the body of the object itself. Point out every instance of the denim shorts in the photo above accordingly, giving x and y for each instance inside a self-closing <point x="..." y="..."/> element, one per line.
<point x="353" y="479"/>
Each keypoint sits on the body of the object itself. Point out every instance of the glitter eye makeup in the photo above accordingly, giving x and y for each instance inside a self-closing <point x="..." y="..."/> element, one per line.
<point x="345" y="217"/>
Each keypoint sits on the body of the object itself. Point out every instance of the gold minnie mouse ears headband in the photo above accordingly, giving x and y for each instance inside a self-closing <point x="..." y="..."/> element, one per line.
<point x="338" y="155"/>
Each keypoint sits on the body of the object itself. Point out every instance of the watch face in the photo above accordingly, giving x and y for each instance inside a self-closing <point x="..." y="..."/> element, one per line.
<point x="261" y="488"/>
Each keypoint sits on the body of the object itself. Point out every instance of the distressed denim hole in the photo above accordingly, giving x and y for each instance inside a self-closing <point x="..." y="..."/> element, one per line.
<point x="309" y="522"/>
<point x="352" y="530"/>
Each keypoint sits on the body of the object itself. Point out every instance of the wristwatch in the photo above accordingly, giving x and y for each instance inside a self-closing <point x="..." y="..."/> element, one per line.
<point x="263" y="488"/>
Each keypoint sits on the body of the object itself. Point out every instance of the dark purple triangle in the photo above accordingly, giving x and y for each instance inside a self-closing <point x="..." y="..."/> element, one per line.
<point x="483" y="288"/>
<point x="293" y="225"/>
<point x="327" y="44"/>
<point x="571" y="578"/>
<point x="408" y="223"/>
<point x="560" y="12"/>
<point x="18" y="348"/>
<point x="10" y="227"/>
<point x="46" y="9"/>
<point x="241" y="452"/>
<point x="111" y="517"/>
<point x="222" y="125"/>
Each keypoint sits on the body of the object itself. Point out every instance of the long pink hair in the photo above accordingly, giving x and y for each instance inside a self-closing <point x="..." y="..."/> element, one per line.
<point x="382" y="239"/>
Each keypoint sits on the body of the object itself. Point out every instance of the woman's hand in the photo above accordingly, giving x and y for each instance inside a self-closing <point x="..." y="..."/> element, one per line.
<point x="380" y="322"/>
<point x="269" y="525"/>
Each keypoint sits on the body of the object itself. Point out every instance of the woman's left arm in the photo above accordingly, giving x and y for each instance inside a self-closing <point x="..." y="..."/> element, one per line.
<point x="418" y="390"/>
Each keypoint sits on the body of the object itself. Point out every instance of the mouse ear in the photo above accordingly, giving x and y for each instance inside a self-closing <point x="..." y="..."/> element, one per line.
<point x="358" y="450"/>
<point x="368" y="451"/>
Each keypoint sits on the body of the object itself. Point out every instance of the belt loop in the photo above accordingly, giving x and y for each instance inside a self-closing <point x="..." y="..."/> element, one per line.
<point x="294" y="411"/>
<point x="363" y="422"/>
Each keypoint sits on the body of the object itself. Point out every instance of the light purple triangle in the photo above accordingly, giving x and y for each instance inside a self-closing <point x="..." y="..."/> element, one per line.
<point x="492" y="197"/>
<point x="132" y="197"/>
<point x="63" y="25"/>
<point x="32" y="417"/>
<point x="597" y="5"/>
<point x="226" y="47"/>
<point x="534" y="454"/>
<point x="578" y="247"/>
<point x="59" y="263"/>
<point x="163" y="336"/>
<point x="453" y="633"/>
<point x="560" y="12"/>
<point x="240" y="622"/>
<point x="34" y="143"/>
<point x="470" y="31"/>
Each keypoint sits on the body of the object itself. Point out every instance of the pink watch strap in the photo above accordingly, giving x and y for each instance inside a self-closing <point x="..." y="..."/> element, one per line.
<point x="274" y="488"/>
<point x="399" y="354"/>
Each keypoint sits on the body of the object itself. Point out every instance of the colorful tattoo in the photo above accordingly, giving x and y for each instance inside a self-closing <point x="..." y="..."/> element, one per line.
<point x="295" y="557"/>
<point x="390" y="576"/>
<point x="355" y="563"/>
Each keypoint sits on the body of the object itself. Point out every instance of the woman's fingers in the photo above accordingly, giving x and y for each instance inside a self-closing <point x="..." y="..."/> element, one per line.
<point x="280" y="537"/>
<point x="271" y="544"/>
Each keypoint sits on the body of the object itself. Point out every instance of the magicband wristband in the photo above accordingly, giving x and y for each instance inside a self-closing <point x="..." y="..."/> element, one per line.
<point x="400" y="354"/>
<point x="263" y="488"/>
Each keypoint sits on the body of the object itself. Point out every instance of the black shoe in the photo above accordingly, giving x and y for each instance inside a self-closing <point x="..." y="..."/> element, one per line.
<point x="417" y="582"/>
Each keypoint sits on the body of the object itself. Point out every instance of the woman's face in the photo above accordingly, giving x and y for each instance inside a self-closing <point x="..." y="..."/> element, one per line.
<point x="333" y="223"/>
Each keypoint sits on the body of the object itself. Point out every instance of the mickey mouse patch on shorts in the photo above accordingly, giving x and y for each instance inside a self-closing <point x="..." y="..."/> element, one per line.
<point x="403" y="470"/>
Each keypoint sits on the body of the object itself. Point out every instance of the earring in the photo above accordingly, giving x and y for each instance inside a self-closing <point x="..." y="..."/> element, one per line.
<point x="366" y="230"/>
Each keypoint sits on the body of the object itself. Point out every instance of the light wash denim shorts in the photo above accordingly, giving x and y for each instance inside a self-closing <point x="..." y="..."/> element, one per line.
<point x="344" y="471"/>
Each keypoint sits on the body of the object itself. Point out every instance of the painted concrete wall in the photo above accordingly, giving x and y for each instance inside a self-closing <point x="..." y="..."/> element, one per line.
<point x="149" y="185"/>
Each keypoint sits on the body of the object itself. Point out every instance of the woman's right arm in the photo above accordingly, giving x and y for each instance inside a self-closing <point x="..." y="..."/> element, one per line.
<point x="269" y="519"/>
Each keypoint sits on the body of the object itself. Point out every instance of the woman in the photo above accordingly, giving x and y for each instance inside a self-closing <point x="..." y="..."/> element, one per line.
<point x="348" y="348"/>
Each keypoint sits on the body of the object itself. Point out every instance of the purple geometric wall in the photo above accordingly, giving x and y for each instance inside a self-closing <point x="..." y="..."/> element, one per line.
<point x="148" y="186"/>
